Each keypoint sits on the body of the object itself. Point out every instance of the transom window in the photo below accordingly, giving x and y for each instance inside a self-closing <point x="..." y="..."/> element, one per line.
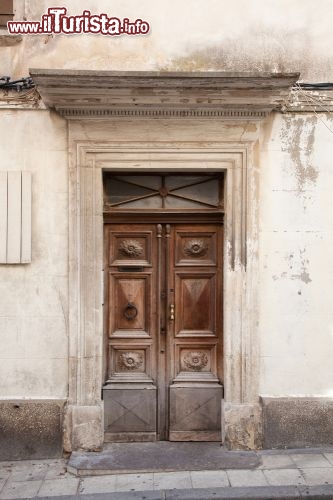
<point x="158" y="192"/>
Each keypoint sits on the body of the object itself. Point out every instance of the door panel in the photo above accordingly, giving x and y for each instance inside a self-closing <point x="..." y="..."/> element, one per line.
<point x="130" y="414"/>
<point x="164" y="325"/>
<point x="195" y="249"/>
<point x="132" y="246"/>
<point x="195" y="298"/>
<point x="195" y="334"/>
<point x="195" y="413"/>
<point x="130" y="315"/>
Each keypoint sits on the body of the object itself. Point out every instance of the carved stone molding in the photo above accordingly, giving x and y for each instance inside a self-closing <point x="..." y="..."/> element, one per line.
<point x="75" y="113"/>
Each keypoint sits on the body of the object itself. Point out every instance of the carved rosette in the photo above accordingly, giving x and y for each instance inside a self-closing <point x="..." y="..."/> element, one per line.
<point x="131" y="248"/>
<point x="195" y="248"/>
<point x="131" y="360"/>
<point x="195" y="360"/>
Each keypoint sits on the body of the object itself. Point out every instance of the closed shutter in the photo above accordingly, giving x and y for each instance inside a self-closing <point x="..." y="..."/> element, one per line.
<point x="6" y="12"/>
<point x="15" y="217"/>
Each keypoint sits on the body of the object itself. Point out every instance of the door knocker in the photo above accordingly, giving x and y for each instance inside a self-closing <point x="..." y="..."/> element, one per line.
<point x="130" y="311"/>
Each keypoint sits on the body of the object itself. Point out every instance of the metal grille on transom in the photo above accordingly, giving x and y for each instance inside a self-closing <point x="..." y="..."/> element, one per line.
<point x="200" y="192"/>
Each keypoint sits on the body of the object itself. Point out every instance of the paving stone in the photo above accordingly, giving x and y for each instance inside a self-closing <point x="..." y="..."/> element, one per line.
<point x="2" y="483"/>
<point x="253" y="493"/>
<point x="305" y="460"/>
<point x="33" y="472"/>
<point x="4" y="474"/>
<point x="329" y="457"/>
<point x="57" y="471"/>
<point x="277" y="462"/>
<point x="316" y="492"/>
<point x="120" y="495"/>
<point x="25" y="463"/>
<point x="247" y="478"/>
<point x="171" y="480"/>
<point x="98" y="484"/>
<point x="54" y="462"/>
<point x="318" y="475"/>
<point x="209" y="479"/>
<point x="134" y="482"/>
<point x="46" y="461"/>
<point x="160" y="456"/>
<point x="284" y="477"/>
<point x="21" y="489"/>
<point x="53" y="487"/>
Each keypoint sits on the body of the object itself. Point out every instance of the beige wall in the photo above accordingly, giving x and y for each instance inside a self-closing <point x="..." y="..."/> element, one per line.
<point x="256" y="35"/>
<point x="296" y="182"/>
<point x="33" y="305"/>
<point x="296" y="259"/>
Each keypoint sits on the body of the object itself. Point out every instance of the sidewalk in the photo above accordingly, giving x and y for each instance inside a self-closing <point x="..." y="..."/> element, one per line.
<point x="281" y="474"/>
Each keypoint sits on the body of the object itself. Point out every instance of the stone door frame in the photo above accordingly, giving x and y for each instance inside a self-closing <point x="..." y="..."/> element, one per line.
<point x="241" y="417"/>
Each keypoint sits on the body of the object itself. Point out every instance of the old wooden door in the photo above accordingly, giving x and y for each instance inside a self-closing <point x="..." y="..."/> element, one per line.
<point x="163" y="347"/>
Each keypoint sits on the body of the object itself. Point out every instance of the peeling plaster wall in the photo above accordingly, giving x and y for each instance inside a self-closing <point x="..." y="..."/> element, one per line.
<point x="34" y="297"/>
<point x="296" y="260"/>
<point x="295" y="195"/>
<point x="257" y="35"/>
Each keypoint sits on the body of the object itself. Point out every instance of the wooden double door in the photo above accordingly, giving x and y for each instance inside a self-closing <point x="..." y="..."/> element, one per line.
<point x="163" y="346"/>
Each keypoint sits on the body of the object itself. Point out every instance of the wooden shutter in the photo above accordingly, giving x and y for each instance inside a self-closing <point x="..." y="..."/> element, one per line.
<point x="15" y="217"/>
<point x="6" y="12"/>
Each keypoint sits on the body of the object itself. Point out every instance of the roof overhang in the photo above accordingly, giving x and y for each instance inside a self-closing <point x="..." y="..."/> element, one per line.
<point x="89" y="94"/>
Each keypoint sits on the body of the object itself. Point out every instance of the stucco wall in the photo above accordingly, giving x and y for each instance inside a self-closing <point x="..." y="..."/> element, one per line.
<point x="296" y="260"/>
<point x="34" y="297"/>
<point x="296" y="181"/>
<point x="256" y="35"/>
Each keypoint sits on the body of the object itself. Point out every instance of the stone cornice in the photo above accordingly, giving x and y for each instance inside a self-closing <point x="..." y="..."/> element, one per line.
<point x="103" y="94"/>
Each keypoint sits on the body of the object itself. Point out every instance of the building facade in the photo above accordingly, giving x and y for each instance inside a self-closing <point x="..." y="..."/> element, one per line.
<point x="166" y="228"/>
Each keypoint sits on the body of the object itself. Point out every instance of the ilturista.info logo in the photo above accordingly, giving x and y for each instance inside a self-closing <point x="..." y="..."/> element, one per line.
<point x="57" y="22"/>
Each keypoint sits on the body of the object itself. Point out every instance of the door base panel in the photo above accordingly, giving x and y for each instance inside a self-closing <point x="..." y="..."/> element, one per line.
<point x="131" y="410"/>
<point x="129" y="437"/>
<point x="195" y="413"/>
<point x="195" y="436"/>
